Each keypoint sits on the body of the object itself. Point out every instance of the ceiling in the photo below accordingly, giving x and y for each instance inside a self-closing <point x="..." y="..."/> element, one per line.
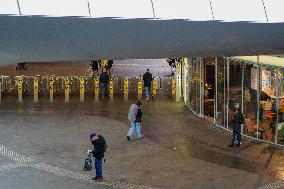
<point x="41" y="38"/>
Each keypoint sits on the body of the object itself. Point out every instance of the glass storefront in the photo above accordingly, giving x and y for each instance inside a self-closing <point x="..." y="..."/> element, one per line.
<point x="218" y="86"/>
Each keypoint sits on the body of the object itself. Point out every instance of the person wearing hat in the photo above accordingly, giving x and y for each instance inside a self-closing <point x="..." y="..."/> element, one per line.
<point x="98" y="153"/>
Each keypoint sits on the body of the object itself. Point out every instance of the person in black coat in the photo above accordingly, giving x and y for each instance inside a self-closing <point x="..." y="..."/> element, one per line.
<point x="104" y="78"/>
<point x="98" y="153"/>
<point x="147" y="79"/>
<point x="238" y="120"/>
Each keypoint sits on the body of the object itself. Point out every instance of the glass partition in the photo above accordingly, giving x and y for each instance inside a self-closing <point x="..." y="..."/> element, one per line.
<point x="221" y="93"/>
<point x="280" y="126"/>
<point x="235" y="89"/>
<point x="250" y="99"/>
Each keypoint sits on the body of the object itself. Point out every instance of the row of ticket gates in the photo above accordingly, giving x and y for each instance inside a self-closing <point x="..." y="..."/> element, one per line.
<point x="53" y="86"/>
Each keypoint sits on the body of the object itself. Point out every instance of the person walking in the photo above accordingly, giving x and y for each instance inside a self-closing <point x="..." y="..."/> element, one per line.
<point x="238" y="120"/>
<point x="147" y="79"/>
<point x="104" y="78"/>
<point x="135" y="118"/>
<point x="98" y="153"/>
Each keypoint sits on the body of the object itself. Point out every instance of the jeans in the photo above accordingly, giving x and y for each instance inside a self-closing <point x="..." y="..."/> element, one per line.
<point x="103" y="87"/>
<point x="238" y="135"/>
<point x="147" y="92"/>
<point x="135" y="126"/>
<point x="99" y="167"/>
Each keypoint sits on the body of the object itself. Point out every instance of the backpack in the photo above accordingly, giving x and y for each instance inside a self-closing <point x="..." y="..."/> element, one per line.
<point x="104" y="144"/>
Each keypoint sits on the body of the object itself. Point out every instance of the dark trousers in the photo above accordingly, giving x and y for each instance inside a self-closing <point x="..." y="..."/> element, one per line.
<point x="238" y="135"/>
<point x="99" y="167"/>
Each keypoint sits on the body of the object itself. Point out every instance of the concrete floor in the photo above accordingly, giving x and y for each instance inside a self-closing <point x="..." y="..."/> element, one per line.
<point x="179" y="150"/>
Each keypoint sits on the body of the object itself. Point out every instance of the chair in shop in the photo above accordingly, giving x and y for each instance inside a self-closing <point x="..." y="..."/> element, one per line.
<point x="250" y="126"/>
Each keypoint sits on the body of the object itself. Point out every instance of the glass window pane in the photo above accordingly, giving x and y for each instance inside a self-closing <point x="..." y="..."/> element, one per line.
<point x="268" y="108"/>
<point x="8" y="7"/>
<point x="183" y="9"/>
<point x="235" y="90"/>
<point x="280" y="127"/>
<point x="239" y="10"/>
<point x="123" y="8"/>
<point x="221" y="113"/>
<point x="250" y="100"/>
<point x="55" y="7"/>
<point x="274" y="10"/>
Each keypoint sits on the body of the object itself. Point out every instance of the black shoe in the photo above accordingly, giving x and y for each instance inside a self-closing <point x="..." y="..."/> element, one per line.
<point x="238" y="145"/>
<point x="231" y="145"/>
<point x="95" y="178"/>
<point x="99" y="179"/>
<point x="128" y="138"/>
<point x="140" y="138"/>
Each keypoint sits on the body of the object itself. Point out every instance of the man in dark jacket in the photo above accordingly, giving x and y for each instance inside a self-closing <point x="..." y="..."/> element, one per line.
<point x="98" y="152"/>
<point x="238" y="120"/>
<point x="104" y="78"/>
<point x="147" y="79"/>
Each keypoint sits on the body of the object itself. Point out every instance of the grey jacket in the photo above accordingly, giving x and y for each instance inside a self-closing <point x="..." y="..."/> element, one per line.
<point x="132" y="112"/>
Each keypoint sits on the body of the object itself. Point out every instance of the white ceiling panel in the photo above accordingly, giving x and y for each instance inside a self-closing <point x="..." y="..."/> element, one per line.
<point x="55" y="7"/>
<point x="122" y="8"/>
<point x="239" y="10"/>
<point x="183" y="9"/>
<point x="8" y="7"/>
<point x="274" y="9"/>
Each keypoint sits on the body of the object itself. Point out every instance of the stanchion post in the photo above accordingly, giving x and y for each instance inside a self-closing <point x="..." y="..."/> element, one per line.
<point x="97" y="88"/>
<point x="178" y="82"/>
<point x="82" y="88"/>
<point x="125" y="88"/>
<point x="35" y="89"/>
<point x="173" y="87"/>
<point x="20" y="88"/>
<point x="67" y="88"/>
<point x="140" y="88"/>
<point x="111" y="88"/>
<point x="154" y="88"/>
<point x="51" y="89"/>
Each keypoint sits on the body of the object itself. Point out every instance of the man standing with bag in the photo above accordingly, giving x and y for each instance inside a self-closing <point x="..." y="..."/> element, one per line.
<point x="134" y="116"/>
<point x="100" y="147"/>
<point x="237" y="121"/>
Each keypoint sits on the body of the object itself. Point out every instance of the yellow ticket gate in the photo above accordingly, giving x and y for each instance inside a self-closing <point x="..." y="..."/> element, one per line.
<point x="67" y="89"/>
<point x="51" y="88"/>
<point x="82" y="88"/>
<point x="154" y="89"/>
<point x="178" y="82"/>
<point x="19" y="80"/>
<point x="97" y="88"/>
<point x="125" y="88"/>
<point x="173" y="87"/>
<point x="111" y="88"/>
<point x="140" y="88"/>
<point x="35" y="89"/>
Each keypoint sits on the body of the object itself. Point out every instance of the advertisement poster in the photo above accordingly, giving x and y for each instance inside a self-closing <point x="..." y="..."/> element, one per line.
<point x="253" y="78"/>
<point x="266" y="81"/>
